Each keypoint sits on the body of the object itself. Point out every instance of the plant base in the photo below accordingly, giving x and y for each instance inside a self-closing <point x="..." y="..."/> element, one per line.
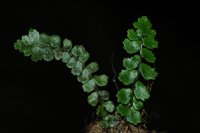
<point x="122" y="127"/>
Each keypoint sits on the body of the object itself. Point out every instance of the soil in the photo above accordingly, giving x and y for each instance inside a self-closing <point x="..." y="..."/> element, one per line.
<point x="122" y="127"/>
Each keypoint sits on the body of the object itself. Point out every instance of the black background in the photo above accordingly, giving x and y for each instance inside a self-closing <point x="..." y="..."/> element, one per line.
<point x="45" y="97"/>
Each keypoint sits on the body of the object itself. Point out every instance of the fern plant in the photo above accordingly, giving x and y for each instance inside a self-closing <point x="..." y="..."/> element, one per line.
<point x="138" y="70"/>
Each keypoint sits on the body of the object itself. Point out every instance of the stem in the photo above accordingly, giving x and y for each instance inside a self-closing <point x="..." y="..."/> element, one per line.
<point x="114" y="72"/>
<point x="150" y="84"/>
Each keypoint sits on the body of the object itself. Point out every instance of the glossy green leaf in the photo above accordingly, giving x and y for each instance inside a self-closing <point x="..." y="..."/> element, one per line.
<point x="78" y="68"/>
<point x="112" y="120"/>
<point x="142" y="23"/>
<point x="84" y="77"/>
<point x="141" y="91"/>
<point x="43" y="46"/>
<point x="131" y="63"/>
<point x="137" y="105"/>
<point x="78" y="50"/>
<point x="132" y="46"/>
<point x="65" y="57"/>
<point x="37" y="53"/>
<point x="33" y="37"/>
<point x="101" y="111"/>
<point x="92" y="67"/>
<point x="150" y="43"/>
<point x="84" y="57"/>
<point x="148" y="72"/>
<point x="67" y="44"/>
<point x="27" y="52"/>
<point x="58" y="54"/>
<point x="28" y="44"/>
<point x="26" y="40"/>
<point x="72" y="62"/>
<point x="109" y="105"/>
<point x="139" y="33"/>
<point x="48" y="54"/>
<point x="104" y="124"/>
<point x="148" y="55"/>
<point x="36" y="50"/>
<point x="123" y="110"/>
<point x="132" y="35"/>
<point x="18" y="45"/>
<point x="93" y="99"/>
<point x="45" y="39"/>
<point x="89" y="86"/>
<point x="101" y="80"/>
<point x="124" y="95"/>
<point x="55" y="41"/>
<point x="149" y="33"/>
<point x="127" y="76"/>
<point x="104" y="94"/>
<point x="134" y="117"/>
